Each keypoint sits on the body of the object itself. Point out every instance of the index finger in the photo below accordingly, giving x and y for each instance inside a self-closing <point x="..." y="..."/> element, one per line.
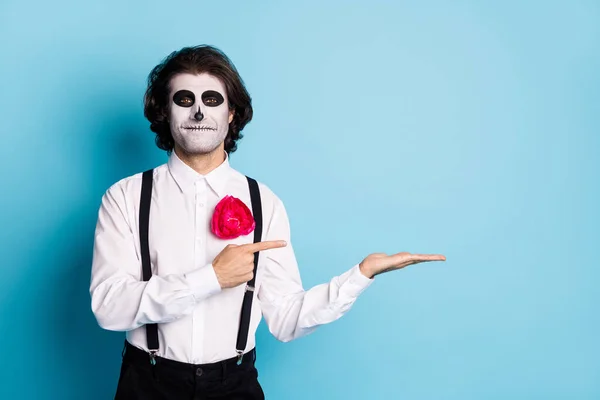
<point x="270" y="244"/>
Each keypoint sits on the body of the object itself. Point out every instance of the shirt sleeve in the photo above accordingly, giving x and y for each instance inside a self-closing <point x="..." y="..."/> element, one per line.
<point x="121" y="300"/>
<point x="289" y="311"/>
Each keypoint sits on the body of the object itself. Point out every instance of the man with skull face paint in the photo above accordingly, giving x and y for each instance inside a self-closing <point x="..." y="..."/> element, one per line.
<point x="183" y="295"/>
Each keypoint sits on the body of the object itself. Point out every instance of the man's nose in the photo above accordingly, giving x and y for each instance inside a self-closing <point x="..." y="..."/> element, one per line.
<point x="199" y="116"/>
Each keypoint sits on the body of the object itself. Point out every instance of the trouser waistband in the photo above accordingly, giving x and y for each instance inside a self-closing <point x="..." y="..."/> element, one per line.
<point x="139" y="356"/>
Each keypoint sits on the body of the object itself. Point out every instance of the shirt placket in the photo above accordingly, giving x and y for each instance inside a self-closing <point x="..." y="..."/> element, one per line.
<point x="199" y="261"/>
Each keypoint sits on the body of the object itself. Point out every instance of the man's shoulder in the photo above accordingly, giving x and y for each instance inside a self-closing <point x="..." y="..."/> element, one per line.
<point x="132" y="183"/>
<point x="266" y="190"/>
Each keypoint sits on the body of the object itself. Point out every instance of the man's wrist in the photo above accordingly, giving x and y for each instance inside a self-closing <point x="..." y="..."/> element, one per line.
<point x="365" y="271"/>
<point x="203" y="282"/>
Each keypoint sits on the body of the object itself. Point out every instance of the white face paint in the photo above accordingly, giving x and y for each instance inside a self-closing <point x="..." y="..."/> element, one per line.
<point x="199" y="114"/>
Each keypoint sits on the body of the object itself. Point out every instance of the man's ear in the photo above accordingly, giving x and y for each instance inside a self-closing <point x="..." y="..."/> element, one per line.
<point x="231" y="114"/>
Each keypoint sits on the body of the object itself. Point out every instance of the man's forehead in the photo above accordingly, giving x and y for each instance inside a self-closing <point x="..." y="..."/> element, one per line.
<point x="196" y="82"/>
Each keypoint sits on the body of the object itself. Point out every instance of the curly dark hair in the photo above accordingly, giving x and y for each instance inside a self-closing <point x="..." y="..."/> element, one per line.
<point x="195" y="60"/>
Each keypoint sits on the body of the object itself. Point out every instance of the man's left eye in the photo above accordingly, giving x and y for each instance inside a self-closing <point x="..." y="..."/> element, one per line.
<point x="212" y="98"/>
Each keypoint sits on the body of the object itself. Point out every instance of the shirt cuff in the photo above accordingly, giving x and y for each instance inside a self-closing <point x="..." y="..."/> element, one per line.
<point x="203" y="282"/>
<point x="357" y="282"/>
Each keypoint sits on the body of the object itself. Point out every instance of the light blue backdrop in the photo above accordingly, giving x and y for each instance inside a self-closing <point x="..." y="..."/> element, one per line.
<point x="463" y="128"/>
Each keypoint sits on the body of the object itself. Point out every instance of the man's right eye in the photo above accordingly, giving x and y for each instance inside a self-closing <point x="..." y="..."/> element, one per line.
<point x="184" y="98"/>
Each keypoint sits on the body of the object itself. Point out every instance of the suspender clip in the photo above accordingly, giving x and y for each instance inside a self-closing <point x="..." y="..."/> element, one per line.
<point x="240" y="356"/>
<point x="152" y="355"/>
<point x="249" y="288"/>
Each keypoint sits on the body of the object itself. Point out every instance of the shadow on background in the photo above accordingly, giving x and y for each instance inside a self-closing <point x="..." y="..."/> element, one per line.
<point x="92" y="351"/>
<point x="76" y="359"/>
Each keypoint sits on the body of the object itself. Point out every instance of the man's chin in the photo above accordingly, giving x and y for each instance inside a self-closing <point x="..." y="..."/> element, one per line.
<point x="199" y="149"/>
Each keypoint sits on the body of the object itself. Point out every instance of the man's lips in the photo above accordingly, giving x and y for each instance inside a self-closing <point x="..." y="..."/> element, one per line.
<point x="199" y="128"/>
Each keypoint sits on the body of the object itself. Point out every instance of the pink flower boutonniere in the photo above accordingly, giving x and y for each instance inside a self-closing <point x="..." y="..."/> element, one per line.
<point x="232" y="218"/>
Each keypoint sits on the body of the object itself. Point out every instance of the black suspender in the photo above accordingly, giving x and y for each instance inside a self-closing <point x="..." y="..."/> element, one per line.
<point x="145" y="200"/>
<point x="248" y="294"/>
<point x="144" y="222"/>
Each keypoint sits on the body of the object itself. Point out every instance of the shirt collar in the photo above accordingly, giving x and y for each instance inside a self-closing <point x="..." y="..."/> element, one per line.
<point x="186" y="177"/>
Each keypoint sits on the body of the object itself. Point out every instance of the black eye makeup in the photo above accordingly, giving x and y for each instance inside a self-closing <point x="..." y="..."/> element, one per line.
<point x="184" y="98"/>
<point x="212" y="99"/>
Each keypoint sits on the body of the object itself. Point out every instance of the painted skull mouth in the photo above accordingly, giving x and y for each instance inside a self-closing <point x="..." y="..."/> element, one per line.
<point x="199" y="128"/>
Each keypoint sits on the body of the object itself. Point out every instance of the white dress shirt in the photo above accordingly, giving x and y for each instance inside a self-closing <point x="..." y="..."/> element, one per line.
<point x="198" y="320"/>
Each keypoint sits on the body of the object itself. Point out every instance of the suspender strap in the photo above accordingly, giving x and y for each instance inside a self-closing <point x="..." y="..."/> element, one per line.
<point x="249" y="293"/>
<point x="145" y="200"/>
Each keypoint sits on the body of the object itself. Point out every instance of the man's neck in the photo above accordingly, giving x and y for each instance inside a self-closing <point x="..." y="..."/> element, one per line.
<point x="202" y="163"/>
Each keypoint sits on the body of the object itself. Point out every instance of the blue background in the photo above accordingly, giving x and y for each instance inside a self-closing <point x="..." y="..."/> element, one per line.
<point x="463" y="128"/>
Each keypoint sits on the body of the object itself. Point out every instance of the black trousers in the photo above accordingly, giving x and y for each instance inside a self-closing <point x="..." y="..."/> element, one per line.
<point x="173" y="380"/>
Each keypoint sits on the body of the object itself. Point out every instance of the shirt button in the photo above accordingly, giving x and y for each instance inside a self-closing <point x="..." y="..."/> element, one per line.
<point x="199" y="372"/>
<point x="201" y="204"/>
